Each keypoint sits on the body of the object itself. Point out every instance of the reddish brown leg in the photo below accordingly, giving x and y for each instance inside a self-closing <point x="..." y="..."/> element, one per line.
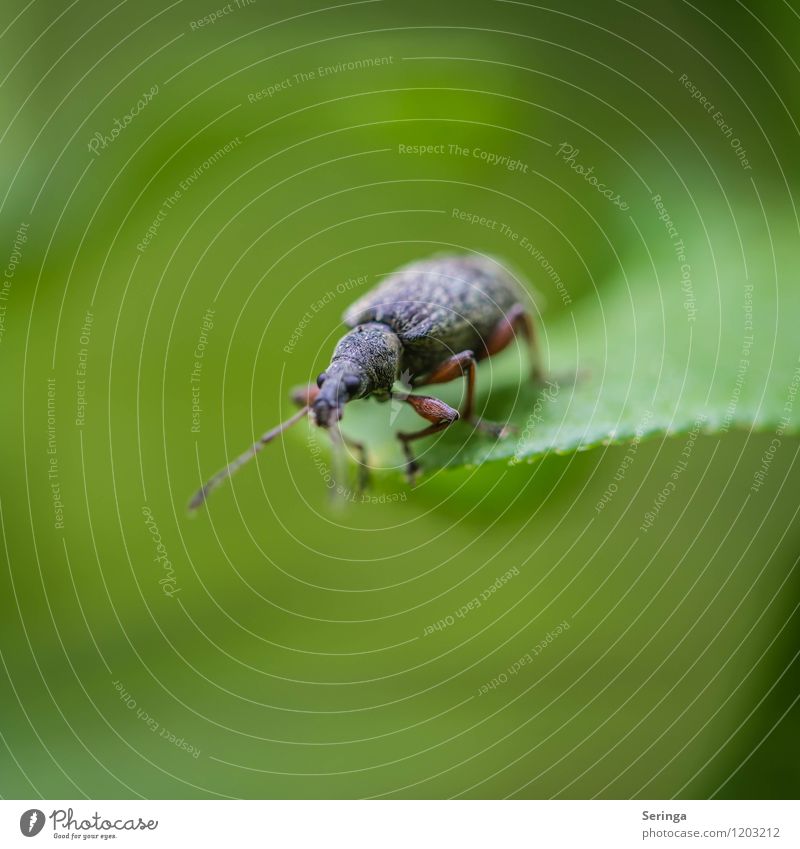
<point x="304" y="396"/>
<point x="463" y="365"/>
<point x="514" y="322"/>
<point x="440" y="415"/>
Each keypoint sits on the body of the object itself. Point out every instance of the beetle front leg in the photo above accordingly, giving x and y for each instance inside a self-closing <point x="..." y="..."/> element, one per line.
<point x="440" y="415"/>
<point x="363" y="466"/>
<point x="464" y="365"/>
<point x="304" y="396"/>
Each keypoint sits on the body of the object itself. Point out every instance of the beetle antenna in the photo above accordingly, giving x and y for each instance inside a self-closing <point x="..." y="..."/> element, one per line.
<point x="219" y="477"/>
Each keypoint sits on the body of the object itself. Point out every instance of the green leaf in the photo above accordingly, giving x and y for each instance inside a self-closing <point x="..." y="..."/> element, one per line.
<point x="696" y="333"/>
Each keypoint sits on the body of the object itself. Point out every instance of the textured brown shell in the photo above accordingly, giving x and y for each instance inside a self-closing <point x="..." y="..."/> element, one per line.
<point x="439" y="307"/>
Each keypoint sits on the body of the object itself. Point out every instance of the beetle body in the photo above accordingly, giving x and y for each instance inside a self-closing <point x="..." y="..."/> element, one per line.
<point x="439" y="307"/>
<point x="429" y="322"/>
<point x="434" y="309"/>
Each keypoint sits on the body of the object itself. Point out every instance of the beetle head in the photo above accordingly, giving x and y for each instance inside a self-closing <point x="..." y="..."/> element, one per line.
<point x="365" y="361"/>
<point x="341" y="382"/>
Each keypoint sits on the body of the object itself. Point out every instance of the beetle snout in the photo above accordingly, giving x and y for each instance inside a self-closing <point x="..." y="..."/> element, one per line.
<point x="337" y="386"/>
<point x="324" y="413"/>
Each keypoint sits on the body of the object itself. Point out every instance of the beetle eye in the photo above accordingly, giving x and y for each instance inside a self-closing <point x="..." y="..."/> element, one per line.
<point x="352" y="384"/>
<point x="321" y="379"/>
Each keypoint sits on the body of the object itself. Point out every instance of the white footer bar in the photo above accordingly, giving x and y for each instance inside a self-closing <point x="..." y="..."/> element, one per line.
<point x="401" y="824"/>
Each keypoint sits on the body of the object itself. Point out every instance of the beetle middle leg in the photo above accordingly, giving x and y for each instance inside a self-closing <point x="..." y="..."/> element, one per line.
<point x="440" y="415"/>
<point x="463" y="365"/>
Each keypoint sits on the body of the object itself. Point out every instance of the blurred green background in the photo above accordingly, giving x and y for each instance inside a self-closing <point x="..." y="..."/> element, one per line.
<point x="286" y="649"/>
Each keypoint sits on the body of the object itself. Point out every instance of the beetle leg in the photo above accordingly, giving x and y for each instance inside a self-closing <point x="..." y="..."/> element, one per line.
<point x="363" y="467"/>
<point x="304" y="396"/>
<point x="440" y="415"/>
<point x="464" y="365"/>
<point x="516" y="320"/>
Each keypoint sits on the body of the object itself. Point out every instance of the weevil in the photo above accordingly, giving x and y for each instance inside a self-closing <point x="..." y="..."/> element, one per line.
<point x="431" y="322"/>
